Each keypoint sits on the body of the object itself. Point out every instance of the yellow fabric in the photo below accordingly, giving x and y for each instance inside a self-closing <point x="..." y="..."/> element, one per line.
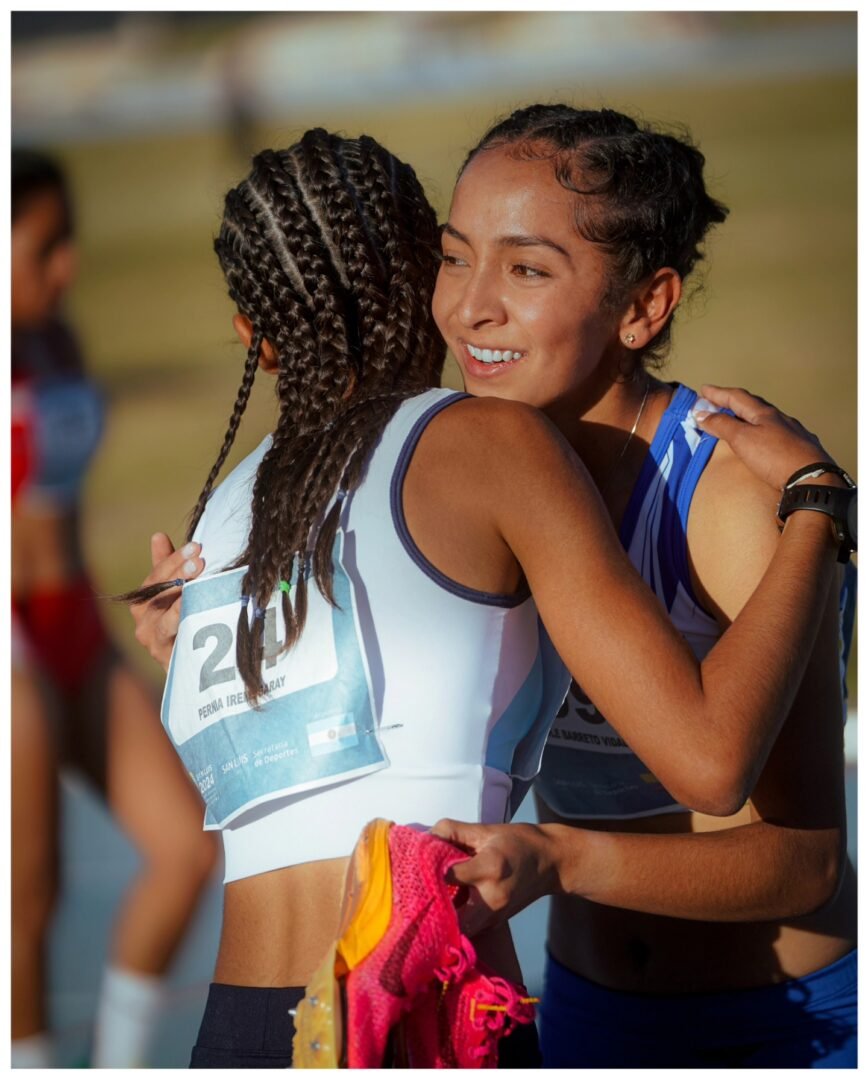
<point x="367" y="897"/>
<point x="366" y="912"/>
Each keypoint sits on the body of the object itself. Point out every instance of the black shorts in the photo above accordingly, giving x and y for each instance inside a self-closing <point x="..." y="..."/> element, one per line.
<point x="250" y="1027"/>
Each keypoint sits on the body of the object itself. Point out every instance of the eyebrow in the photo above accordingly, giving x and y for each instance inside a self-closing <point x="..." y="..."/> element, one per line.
<point x="513" y="240"/>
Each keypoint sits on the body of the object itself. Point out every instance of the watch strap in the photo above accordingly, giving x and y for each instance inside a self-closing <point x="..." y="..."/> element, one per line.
<point x="819" y="468"/>
<point x="832" y="501"/>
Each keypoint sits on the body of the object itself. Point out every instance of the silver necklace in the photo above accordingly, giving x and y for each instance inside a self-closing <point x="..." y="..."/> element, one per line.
<point x="633" y="430"/>
<point x="635" y="424"/>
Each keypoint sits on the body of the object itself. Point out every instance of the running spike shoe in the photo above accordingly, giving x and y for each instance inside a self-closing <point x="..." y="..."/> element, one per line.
<point x="401" y="952"/>
<point x="421" y="937"/>
<point x="463" y="1016"/>
<point x="366" y="910"/>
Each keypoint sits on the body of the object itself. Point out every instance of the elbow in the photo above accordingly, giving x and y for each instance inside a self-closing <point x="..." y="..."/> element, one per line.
<point x="721" y="804"/>
<point x="824" y="874"/>
<point x="717" y="788"/>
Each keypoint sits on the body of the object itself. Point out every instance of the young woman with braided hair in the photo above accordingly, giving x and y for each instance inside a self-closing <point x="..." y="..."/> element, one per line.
<point x="424" y="515"/>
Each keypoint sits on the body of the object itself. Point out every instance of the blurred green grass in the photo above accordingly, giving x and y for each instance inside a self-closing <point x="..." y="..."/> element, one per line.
<point x="776" y="311"/>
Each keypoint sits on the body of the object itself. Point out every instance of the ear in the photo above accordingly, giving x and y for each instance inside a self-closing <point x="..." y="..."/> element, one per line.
<point x="244" y="329"/>
<point x="651" y="308"/>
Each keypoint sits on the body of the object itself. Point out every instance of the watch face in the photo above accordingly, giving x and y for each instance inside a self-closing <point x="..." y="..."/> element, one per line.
<point x="852" y="516"/>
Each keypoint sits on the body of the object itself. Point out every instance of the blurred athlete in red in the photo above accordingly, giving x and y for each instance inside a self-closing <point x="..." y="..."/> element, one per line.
<point x="75" y="699"/>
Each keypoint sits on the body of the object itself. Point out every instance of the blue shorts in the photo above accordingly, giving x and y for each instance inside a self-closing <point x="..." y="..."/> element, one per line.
<point x="807" y="1023"/>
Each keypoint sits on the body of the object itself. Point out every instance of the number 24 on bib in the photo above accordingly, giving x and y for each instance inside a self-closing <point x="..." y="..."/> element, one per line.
<point x="315" y="726"/>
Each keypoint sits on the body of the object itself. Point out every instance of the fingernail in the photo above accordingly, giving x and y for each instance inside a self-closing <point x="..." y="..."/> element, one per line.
<point x="189" y="549"/>
<point x="701" y="415"/>
<point x="189" y="567"/>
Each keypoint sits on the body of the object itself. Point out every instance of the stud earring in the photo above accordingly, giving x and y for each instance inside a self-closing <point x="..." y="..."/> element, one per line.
<point x="629" y="339"/>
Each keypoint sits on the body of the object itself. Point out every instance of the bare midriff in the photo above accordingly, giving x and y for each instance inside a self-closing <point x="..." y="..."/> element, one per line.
<point x="641" y="953"/>
<point x="278" y="926"/>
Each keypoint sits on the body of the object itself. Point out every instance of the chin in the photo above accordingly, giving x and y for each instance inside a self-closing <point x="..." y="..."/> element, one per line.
<point x="498" y="389"/>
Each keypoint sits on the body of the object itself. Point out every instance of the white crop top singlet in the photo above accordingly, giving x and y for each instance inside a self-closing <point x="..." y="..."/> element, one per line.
<point x="418" y="698"/>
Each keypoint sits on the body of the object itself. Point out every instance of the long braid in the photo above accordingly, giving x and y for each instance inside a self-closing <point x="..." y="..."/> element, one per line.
<point x="336" y="468"/>
<point x="328" y="248"/>
<point x="382" y="177"/>
<point x="320" y="383"/>
<point x="250" y="369"/>
<point x="328" y="185"/>
<point x="333" y="200"/>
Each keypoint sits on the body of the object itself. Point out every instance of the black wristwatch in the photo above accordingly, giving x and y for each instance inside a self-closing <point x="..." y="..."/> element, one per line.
<point x="838" y="503"/>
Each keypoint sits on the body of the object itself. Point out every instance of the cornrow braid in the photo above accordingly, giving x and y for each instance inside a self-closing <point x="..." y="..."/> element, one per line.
<point x="328" y="300"/>
<point x="385" y="175"/>
<point x="329" y="248"/>
<point x="329" y="184"/>
<point x="278" y="296"/>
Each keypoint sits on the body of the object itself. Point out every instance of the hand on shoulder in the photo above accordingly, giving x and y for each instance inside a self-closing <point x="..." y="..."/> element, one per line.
<point x="771" y="444"/>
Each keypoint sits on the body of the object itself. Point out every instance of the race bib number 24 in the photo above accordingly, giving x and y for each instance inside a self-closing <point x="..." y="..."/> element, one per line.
<point x="315" y="726"/>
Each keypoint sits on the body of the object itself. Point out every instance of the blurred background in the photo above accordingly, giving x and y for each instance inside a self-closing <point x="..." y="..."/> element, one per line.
<point x="155" y="114"/>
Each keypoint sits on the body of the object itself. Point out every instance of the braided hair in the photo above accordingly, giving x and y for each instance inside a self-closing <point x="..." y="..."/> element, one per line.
<point x="330" y="249"/>
<point x="642" y="196"/>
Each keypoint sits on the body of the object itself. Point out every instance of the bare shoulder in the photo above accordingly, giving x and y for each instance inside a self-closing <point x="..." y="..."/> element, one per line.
<point x="489" y="459"/>
<point x="476" y="418"/>
<point x="492" y="441"/>
<point x="471" y="471"/>
<point x="727" y="484"/>
<point x="731" y="532"/>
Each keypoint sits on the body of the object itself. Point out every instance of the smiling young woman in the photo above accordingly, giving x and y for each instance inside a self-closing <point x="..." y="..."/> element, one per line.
<point x="517" y="278"/>
<point x="568" y="239"/>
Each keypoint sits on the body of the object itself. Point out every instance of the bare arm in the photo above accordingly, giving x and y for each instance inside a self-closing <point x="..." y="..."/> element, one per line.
<point x="720" y="718"/>
<point x="787" y="862"/>
<point x="744" y="874"/>
<point x="705" y="730"/>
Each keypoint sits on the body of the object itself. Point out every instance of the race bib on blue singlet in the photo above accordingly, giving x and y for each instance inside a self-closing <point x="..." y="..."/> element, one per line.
<point x="316" y="725"/>
<point x="590" y="772"/>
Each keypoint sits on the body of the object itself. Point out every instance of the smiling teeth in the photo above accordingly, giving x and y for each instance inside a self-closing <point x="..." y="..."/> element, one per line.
<point x="493" y="356"/>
